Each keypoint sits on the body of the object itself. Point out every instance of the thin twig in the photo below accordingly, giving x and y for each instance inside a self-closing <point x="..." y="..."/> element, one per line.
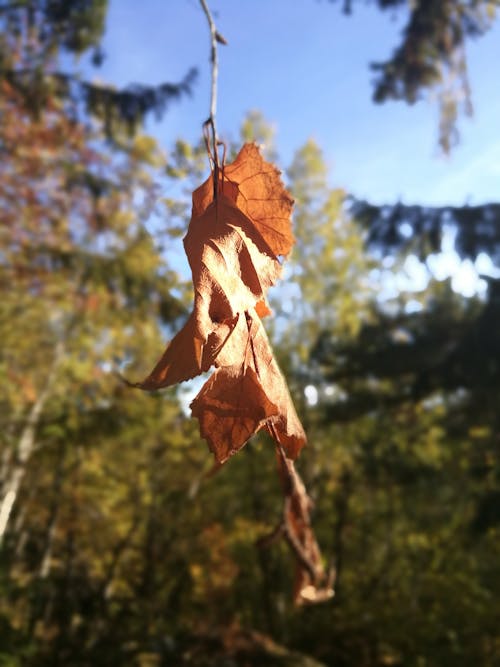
<point x="215" y="67"/>
<point x="210" y="123"/>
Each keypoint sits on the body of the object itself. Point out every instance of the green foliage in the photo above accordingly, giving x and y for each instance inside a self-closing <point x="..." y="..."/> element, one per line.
<point x="327" y="281"/>
<point x="421" y="230"/>
<point x="431" y="56"/>
<point x="33" y="36"/>
<point x="255" y="127"/>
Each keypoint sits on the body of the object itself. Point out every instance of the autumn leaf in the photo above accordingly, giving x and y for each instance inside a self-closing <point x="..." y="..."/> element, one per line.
<point x="236" y="235"/>
<point x="232" y="265"/>
<point x="187" y="355"/>
<point x="231" y="407"/>
<point x="313" y="583"/>
<point x="255" y="187"/>
<point x="233" y="244"/>
<point x="254" y="391"/>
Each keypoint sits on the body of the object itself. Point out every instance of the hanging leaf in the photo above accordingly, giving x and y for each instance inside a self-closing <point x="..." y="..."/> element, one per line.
<point x="232" y="244"/>
<point x="231" y="407"/>
<point x="256" y="188"/>
<point x="236" y="235"/>
<point x="312" y="583"/>
<point x="254" y="392"/>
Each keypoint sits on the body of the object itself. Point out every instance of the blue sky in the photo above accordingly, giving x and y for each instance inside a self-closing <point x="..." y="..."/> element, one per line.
<point x="305" y="66"/>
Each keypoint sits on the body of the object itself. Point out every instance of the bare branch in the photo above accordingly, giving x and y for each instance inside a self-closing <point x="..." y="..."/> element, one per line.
<point x="215" y="38"/>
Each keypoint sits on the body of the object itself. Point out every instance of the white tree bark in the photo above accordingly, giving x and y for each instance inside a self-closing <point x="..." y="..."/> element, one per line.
<point x="25" y="447"/>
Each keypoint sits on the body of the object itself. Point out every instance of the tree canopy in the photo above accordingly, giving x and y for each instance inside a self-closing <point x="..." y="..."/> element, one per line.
<point x="36" y="34"/>
<point x="432" y="56"/>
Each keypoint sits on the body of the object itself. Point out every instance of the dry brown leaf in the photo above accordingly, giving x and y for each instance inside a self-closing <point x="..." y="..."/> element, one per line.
<point x="231" y="407"/>
<point x="232" y="245"/>
<point x="247" y="359"/>
<point x="232" y="265"/>
<point x="256" y="188"/>
<point x="312" y="583"/>
<point x="231" y="273"/>
<point x="187" y="355"/>
<point x="249" y="335"/>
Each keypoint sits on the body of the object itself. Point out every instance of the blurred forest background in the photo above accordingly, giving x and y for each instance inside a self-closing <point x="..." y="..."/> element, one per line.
<point x="116" y="548"/>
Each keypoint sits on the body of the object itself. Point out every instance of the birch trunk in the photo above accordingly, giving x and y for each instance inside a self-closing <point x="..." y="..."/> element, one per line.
<point x="25" y="448"/>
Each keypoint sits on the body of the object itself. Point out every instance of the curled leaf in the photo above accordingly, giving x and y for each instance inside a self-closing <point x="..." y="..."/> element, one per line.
<point x="256" y="188"/>
<point x="254" y="383"/>
<point x="231" y="407"/>
<point x="312" y="583"/>
<point x="187" y="355"/>
<point x="232" y="265"/>
<point x="233" y="244"/>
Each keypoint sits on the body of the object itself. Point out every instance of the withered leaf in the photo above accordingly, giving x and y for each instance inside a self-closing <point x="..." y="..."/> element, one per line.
<point x="232" y="265"/>
<point x="231" y="407"/>
<point x="255" y="187"/>
<point x="187" y="355"/>
<point x="312" y="583"/>
<point x="246" y="360"/>
<point x="232" y="244"/>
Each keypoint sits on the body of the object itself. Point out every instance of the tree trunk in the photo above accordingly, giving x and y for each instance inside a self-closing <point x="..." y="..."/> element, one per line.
<point x="25" y="447"/>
